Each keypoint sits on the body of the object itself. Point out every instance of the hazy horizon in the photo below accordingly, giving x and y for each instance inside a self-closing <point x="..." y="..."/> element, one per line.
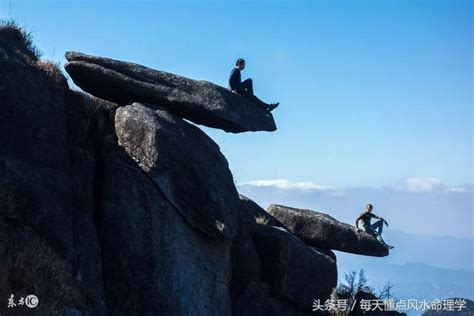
<point x="438" y="211"/>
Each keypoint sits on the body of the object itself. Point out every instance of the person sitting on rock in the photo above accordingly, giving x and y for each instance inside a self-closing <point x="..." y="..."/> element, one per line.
<point x="245" y="88"/>
<point x="374" y="229"/>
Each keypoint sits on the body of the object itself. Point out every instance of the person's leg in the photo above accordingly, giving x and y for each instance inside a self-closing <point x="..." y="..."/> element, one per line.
<point x="377" y="229"/>
<point x="247" y="85"/>
<point x="380" y="239"/>
<point x="378" y="226"/>
<point x="370" y="230"/>
<point x="259" y="102"/>
<point x="373" y="231"/>
<point x="254" y="99"/>
<point x="247" y="91"/>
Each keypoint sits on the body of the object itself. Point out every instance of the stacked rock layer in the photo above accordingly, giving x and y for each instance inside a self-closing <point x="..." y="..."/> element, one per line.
<point x="136" y="206"/>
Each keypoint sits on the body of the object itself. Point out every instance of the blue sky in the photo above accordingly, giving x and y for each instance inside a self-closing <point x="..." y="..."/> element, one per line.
<point x="375" y="103"/>
<point x="372" y="93"/>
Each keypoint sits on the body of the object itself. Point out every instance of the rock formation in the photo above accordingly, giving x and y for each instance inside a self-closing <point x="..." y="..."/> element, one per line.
<point x="185" y="164"/>
<point x="294" y="270"/>
<point x="119" y="206"/>
<point x="323" y="231"/>
<point x="48" y="242"/>
<point x="154" y="261"/>
<point x="198" y="101"/>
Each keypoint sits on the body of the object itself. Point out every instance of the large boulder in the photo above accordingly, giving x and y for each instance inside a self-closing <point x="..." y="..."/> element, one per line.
<point x="185" y="164"/>
<point x="326" y="252"/>
<point x="258" y="300"/>
<point x="86" y="117"/>
<point x="199" y="101"/>
<point x="295" y="271"/>
<point x="247" y="217"/>
<point x="245" y="262"/>
<point x="323" y="231"/>
<point x="34" y="153"/>
<point x="258" y="214"/>
<point x="45" y="186"/>
<point x="154" y="262"/>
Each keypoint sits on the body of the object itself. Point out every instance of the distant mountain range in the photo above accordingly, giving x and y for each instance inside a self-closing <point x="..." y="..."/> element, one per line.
<point x="414" y="280"/>
<point x="420" y="267"/>
<point x="444" y="252"/>
<point x="428" y="264"/>
<point x="437" y="212"/>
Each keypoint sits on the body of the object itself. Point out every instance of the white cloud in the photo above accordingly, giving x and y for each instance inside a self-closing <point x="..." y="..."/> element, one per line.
<point x="458" y="189"/>
<point x="286" y="185"/>
<point x="411" y="184"/>
<point x="421" y="184"/>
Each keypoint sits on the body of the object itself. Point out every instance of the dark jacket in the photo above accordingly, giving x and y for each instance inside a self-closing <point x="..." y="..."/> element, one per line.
<point x="366" y="217"/>
<point x="235" y="81"/>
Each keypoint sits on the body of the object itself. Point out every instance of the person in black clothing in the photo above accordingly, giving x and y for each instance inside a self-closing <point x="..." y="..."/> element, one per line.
<point x="245" y="88"/>
<point x="374" y="229"/>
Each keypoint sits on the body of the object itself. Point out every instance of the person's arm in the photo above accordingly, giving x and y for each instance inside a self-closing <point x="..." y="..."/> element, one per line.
<point x="381" y="218"/>
<point x="357" y="221"/>
<point x="357" y="230"/>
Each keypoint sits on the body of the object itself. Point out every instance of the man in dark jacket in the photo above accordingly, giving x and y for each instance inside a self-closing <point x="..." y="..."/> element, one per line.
<point x="374" y="229"/>
<point x="245" y="88"/>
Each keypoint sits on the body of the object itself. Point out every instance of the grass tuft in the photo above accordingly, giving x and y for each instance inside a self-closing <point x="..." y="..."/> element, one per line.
<point x="23" y="39"/>
<point x="30" y="266"/>
<point x="52" y="71"/>
<point x="261" y="220"/>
